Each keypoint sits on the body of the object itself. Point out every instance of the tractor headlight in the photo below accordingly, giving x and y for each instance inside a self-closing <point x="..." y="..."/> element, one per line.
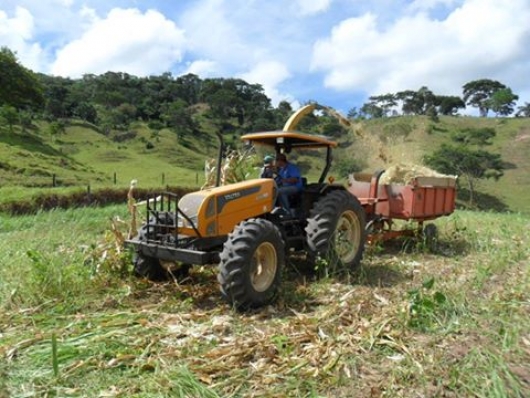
<point x="184" y="223"/>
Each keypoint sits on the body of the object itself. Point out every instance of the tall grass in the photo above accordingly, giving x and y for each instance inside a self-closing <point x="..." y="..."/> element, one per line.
<point x="43" y="255"/>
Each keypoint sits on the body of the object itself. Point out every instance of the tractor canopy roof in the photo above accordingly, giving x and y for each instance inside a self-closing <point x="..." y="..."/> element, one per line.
<point x="288" y="140"/>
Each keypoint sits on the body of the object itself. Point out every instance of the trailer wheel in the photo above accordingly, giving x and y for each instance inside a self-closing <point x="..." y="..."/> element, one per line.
<point x="251" y="264"/>
<point x="430" y="236"/>
<point x="430" y="232"/>
<point x="336" y="230"/>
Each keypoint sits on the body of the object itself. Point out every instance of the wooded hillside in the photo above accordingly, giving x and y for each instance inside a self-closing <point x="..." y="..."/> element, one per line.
<point x="108" y="129"/>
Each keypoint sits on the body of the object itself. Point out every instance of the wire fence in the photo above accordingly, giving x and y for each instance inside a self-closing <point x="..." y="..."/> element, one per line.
<point x="82" y="195"/>
<point x="56" y="180"/>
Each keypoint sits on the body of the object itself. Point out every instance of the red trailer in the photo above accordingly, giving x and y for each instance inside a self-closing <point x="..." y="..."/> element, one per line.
<point x="420" y="200"/>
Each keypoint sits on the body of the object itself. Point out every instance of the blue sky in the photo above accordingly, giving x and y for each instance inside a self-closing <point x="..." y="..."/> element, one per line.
<point x="335" y="52"/>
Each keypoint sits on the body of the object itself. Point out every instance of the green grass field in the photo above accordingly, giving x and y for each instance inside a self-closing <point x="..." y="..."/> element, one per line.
<point x="451" y="320"/>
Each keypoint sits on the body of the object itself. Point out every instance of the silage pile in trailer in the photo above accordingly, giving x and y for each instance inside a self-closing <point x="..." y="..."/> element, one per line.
<point x="405" y="174"/>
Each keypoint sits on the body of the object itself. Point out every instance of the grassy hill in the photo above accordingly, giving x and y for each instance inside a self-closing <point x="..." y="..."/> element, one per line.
<point x="33" y="160"/>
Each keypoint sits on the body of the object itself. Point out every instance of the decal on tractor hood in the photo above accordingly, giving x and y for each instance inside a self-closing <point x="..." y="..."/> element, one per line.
<point x="222" y="200"/>
<point x="262" y="196"/>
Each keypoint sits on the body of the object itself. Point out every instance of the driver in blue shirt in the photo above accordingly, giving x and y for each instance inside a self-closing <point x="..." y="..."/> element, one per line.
<point x="289" y="180"/>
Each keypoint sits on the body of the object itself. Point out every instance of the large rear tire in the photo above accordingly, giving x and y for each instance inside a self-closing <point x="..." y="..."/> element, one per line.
<point x="336" y="231"/>
<point x="251" y="264"/>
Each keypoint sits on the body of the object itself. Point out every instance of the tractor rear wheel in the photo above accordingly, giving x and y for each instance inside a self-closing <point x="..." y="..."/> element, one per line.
<point x="251" y="264"/>
<point x="336" y="230"/>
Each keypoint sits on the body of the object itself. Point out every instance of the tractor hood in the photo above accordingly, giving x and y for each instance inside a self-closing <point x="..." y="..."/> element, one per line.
<point x="216" y="211"/>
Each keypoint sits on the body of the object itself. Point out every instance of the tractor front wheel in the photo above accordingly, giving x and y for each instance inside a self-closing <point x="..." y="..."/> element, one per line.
<point x="336" y="230"/>
<point x="156" y="270"/>
<point x="251" y="264"/>
<point x="149" y="267"/>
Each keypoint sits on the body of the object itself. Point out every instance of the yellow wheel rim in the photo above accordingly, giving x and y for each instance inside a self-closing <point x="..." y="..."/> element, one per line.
<point x="347" y="236"/>
<point x="264" y="266"/>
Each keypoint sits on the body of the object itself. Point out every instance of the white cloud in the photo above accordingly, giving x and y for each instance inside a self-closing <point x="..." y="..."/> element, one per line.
<point x="213" y="35"/>
<point x="202" y="68"/>
<point x="256" y="41"/>
<point x="17" y="33"/>
<point x="66" y="3"/>
<point x="126" y="41"/>
<point x="269" y="74"/>
<point x="20" y="26"/>
<point x="88" y="14"/>
<point x="57" y="19"/>
<point x="430" y="4"/>
<point x="480" y="39"/>
<point x="312" y="7"/>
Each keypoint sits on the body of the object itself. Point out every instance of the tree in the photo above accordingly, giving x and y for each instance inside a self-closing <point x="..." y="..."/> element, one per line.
<point x="468" y="161"/>
<point x="346" y="162"/>
<point x="123" y="115"/>
<point x="331" y="127"/>
<point x="25" y="118"/>
<point x="386" y="102"/>
<point x="9" y="114"/>
<point x="372" y="110"/>
<point x="178" y="116"/>
<point x="523" y="110"/>
<point x="421" y="102"/>
<point x="189" y="88"/>
<point x="282" y="113"/>
<point x="432" y="113"/>
<point x="478" y="93"/>
<point x="235" y="98"/>
<point x="449" y="105"/>
<point x="19" y="87"/>
<point x="406" y="98"/>
<point x="56" y="91"/>
<point x="55" y="128"/>
<point x="86" y="111"/>
<point x="475" y="136"/>
<point x="353" y="113"/>
<point x="502" y="102"/>
<point x="426" y="101"/>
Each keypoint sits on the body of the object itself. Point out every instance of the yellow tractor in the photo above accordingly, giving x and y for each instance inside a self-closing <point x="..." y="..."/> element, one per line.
<point x="241" y="228"/>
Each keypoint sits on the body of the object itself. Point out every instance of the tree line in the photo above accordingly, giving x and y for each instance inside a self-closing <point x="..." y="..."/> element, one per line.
<point x="484" y="94"/>
<point x="115" y="99"/>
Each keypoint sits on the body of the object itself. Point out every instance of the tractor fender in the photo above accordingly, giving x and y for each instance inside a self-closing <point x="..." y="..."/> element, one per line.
<point x="327" y="188"/>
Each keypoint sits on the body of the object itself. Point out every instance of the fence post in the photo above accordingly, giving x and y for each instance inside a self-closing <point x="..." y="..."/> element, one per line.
<point x="115" y="179"/>
<point x="54" y="181"/>
<point x="163" y="178"/>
